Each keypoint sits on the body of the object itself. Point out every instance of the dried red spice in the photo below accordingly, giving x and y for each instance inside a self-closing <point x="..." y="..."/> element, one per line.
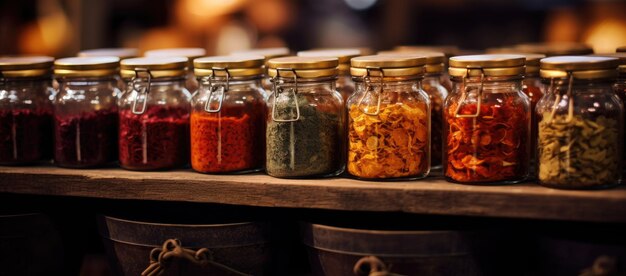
<point x="86" y="139"/>
<point x="232" y="140"/>
<point x="156" y="139"/>
<point x="25" y="136"/>
<point x="491" y="147"/>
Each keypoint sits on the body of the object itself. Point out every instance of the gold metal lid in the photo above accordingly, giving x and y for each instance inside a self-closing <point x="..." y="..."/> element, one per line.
<point x="159" y="67"/>
<point x="402" y="65"/>
<point x="532" y="61"/>
<point x="621" y="49"/>
<point x="25" y="66"/>
<point x="494" y="65"/>
<point x="344" y="55"/>
<point x="268" y="53"/>
<point x="581" y="67"/>
<point x="622" y="60"/>
<point x="86" y="66"/>
<point x="237" y="66"/>
<point x="555" y="48"/>
<point x="305" y="67"/>
<point x="435" y="61"/>
<point x="190" y="53"/>
<point x="448" y="50"/>
<point x="122" y="53"/>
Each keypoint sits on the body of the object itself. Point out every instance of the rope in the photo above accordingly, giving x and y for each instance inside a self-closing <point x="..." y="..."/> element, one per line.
<point x="161" y="258"/>
<point x="372" y="266"/>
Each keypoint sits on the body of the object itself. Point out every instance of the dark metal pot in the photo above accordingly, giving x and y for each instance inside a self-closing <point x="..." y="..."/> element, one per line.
<point x="136" y="247"/>
<point x="349" y="251"/>
<point x="29" y="245"/>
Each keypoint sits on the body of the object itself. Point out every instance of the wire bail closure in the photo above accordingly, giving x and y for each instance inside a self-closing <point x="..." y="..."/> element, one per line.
<point x="466" y="91"/>
<point x="215" y="87"/>
<point x="369" y="89"/>
<point x="557" y="100"/>
<point x="278" y="89"/>
<point x="141" y="90"/>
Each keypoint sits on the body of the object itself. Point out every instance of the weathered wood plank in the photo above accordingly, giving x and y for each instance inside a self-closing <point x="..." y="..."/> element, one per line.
<point x="430" y="196"/>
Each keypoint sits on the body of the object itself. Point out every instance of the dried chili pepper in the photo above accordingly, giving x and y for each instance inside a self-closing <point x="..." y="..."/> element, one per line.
<point x="232" y="140"/>
<point x="392" y="144"/>
<point x="490" y="147"/>
<point x="25" y="136"/>
<point x="86" y="139"/>
<point x="156" y="139"/>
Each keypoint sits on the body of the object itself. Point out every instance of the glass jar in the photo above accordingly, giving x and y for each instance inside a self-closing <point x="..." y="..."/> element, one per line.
<point x="345" y="85"/>
<point x="534" y="89"/>
<point x="191" y="83"/>
<point x="435" y="84"/>
<point x="388" y="118"/>
<point x="620" y="90"/>
<point x="305" y="119"/>
<point x="85" y="112"/>
<point x="121" y="53"/>
<point x="154" y="114"/>
<point x="268" y="53"/>
<point x="486" y="121"/>
<point x="580" y="123"/>
<point x="25" y="110"/>
<point x="228" y="115"/>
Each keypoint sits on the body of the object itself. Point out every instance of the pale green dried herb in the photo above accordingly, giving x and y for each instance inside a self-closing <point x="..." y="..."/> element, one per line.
<point x="308" y="147"/>
<point x="578" y="152"/>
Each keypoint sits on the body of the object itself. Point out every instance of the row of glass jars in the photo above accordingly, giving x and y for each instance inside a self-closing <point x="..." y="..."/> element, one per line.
<point x="486" y="119"/>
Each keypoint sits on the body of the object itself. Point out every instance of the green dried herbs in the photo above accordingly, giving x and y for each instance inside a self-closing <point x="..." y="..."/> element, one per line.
<point x="578" y="152"/>
<point x="309" y="146"/>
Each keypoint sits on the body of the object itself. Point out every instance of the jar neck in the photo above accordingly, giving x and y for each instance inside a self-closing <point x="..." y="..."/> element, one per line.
<point x="305" y="85"/>
<point x="432" y="79"/>
<point x="390" y="86"/>
<point x="85" y="80"/>
<point x="561" y="86"/>
<point x="26" y="81"/>
<point x="489" y="84"/>
<point x="204" y="82"/>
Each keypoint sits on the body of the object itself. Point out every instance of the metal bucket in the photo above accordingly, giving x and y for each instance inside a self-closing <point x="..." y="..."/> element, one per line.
<point x="29" y="245"/>
<point x="349" y="251"/>
<point x="144" y="248"/>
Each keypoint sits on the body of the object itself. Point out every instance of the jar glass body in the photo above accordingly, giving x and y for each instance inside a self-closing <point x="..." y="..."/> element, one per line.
<point x="487" y="134"/>
<point x="580" y="135"/>
<point x="85" y="122"/>
<point x="391" y="140"/>
<point x="158" y="138"/>
<point x="25" y="120"/>
<point x="345" y="87"/>
<point x="534" y="89"/>
<point x="620" y="90"/>
<point x="228" y="136"/>
<point x="305" y="129"/>
<point x="437" y="93"/>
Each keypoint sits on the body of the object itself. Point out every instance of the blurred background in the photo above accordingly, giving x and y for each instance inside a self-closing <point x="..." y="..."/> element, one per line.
<point x="63" y="27"/>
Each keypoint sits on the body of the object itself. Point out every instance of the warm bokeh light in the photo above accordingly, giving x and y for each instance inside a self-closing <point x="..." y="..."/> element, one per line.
<point x="270" y="15"/>
<point x="197" y="15"/>
<point x="49" y="34"/>
<point x="606" y="35"/>
<point x="563" y="25"/>
<point x="166" y="38"/>
<point x="233" y="37"/>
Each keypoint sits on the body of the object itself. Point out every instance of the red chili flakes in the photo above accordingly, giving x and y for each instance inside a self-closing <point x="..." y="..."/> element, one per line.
<point x="491" y="147"/>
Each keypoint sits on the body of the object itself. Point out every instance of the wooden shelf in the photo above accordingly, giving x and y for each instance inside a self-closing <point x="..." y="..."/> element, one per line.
<point x="429" y="196"/>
